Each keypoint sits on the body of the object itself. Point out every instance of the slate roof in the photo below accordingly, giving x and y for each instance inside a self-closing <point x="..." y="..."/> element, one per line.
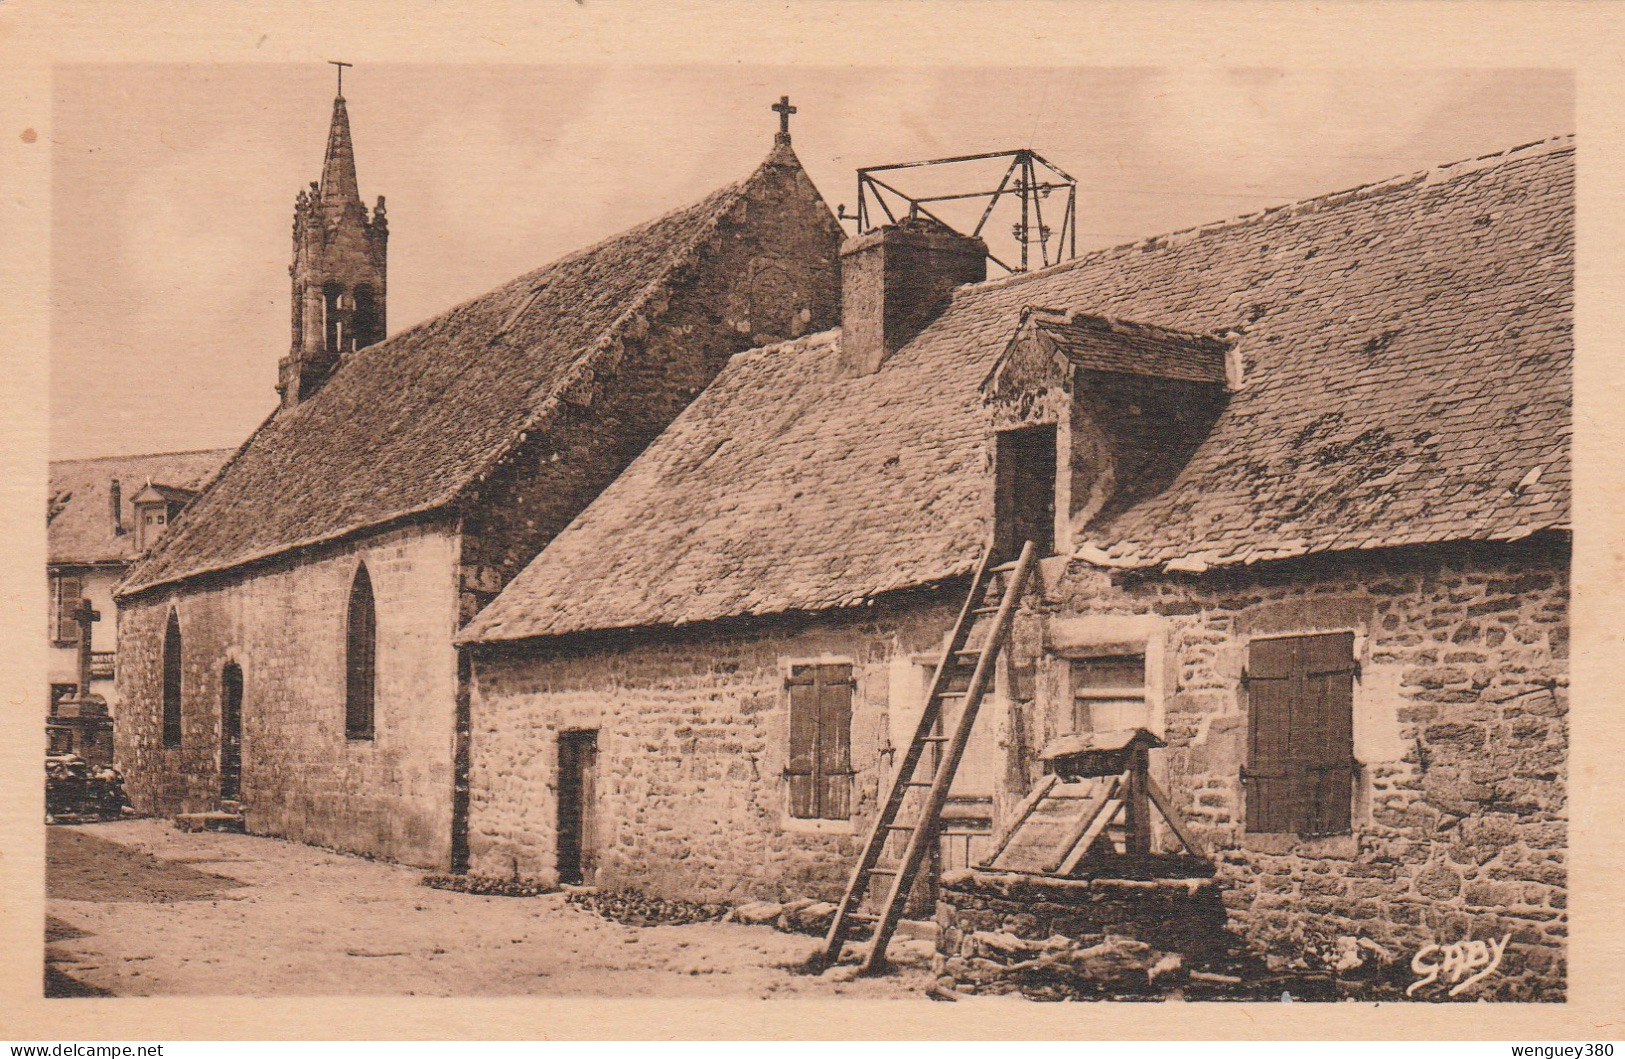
<point x="79" y="518"/>
<point x="404" y="426"/>
<point x="1101" y="343"/>
<point x="1407" y="352"/>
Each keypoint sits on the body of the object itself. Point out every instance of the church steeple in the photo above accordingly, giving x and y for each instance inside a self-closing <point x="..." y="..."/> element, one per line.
<point x="338" y="270"/>
<point x="338" y="186"/>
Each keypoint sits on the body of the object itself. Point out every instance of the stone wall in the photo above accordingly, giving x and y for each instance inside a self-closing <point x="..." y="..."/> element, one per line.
<point x="1460" y="734"/>
<point x="692" y="744"/>
<point x="284" y="624"/>
<point x="1460" y="809"/>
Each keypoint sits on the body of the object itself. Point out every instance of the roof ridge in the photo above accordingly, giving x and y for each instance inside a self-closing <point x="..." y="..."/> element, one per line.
<point x="1432" y="175"/>
<point x="140" y="455"/>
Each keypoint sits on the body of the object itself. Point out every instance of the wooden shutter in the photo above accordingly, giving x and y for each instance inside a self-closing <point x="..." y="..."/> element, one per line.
<point x="67" y="594"/>
<point x="819" y="768"/>
<point x="1269" y="707"/>
<point x="1300" y="696"/>
<point x="1328" y="754"/>
<point x="835" y="742"/>
<point x="803" y="761"/>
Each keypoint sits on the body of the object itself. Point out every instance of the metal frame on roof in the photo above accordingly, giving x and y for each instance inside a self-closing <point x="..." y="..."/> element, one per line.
<point x="1030" y="178"/>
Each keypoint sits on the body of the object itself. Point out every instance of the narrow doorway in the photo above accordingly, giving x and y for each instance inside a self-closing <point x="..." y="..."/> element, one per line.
<point x="578" y="775"/>
<point x="1024" y="491"/>
<point x="231" y="732"/>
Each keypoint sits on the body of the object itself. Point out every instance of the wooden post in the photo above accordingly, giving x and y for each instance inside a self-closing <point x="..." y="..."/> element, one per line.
<point x="1137" y="830"/>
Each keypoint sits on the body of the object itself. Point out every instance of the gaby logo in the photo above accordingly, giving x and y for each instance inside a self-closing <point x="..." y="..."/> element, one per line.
<point x="1465" y="964"/>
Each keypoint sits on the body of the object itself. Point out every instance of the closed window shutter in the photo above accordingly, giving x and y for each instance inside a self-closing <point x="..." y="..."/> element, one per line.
<point x="803" y="743"/>
<point x="68" y="591"/>
<point x="1300" y="693"/>
<point x="1269" y="704"/>
<point x="834" y="742"/>
<point x="819" y="768"/>
<point x="1328" y="664"/>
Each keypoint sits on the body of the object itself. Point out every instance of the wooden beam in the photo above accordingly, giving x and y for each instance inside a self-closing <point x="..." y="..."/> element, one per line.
<point x="1176" y="822"/>
<point x="1023" y="811"/>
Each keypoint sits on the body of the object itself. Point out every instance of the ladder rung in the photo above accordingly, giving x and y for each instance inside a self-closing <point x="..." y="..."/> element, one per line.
<point x="919" y="783"/>
<point x="863" y="917"/>
<point x="899" y="827"/>
<point x="882" y="871"/>
<point x="1004" y="568"/>
<point x="986" y="610"/>
<point x="952" y="694"/>
<point x="933" y="739"/>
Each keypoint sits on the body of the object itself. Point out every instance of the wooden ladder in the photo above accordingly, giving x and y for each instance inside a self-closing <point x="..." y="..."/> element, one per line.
<point x="960" y="662"/>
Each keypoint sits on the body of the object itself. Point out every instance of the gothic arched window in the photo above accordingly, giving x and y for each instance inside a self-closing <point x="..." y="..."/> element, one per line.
<point x="366" y="325"/>
<point x="172" y="681"/>
<point x="360" y="657"/>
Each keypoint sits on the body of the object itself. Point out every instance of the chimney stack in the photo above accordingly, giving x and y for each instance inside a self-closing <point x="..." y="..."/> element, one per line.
<point x="895" y="281"/>
<point x="114" y="493"/>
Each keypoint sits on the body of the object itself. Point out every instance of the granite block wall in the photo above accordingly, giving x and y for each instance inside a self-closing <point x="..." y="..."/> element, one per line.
<point x="692" y="747"/>
<point x="284" y="625"/>
<point x="1460" y="735"/>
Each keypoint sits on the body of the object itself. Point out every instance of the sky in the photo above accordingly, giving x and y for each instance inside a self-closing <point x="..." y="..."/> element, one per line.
<point x="173" y="185"/>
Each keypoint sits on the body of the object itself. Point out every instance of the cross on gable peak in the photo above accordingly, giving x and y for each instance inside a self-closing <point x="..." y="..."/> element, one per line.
<point x="784" y="110"/>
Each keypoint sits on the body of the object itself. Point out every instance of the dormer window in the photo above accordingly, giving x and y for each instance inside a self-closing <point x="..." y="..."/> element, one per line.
<point x="155" y="508"/>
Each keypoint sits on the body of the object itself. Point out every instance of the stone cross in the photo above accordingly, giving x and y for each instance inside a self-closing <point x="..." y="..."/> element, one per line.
<point x="84" y="615"/>
<point x="784" y="110"/>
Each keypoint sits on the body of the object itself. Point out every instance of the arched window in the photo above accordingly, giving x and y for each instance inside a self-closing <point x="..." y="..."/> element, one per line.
<point x="366" y="325"/>
<point x="334" y="317"/>
<point x="360" y="658"/>
<point x="172" y="681"/>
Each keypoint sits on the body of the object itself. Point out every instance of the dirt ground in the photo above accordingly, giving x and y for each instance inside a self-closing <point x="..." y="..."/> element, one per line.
<point x="137" y="908"/>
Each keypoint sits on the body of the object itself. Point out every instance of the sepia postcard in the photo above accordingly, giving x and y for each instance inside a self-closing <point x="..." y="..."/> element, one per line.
<point x="914" y="520"/>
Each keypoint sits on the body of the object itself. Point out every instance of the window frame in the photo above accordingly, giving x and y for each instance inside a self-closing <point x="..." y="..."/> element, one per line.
<point x="361" y="666"/>
<point x="1140" y="692"/>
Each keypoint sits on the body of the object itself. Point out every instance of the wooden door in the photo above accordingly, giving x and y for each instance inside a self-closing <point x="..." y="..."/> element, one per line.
<point x="578" y="767"/>
<point x="231" y="732"/>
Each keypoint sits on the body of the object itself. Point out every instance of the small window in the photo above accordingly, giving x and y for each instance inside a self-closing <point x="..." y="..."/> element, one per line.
<point x="65" y="595"/>
<point x="172" y="682"/>
<point x="360" y="658"/>
<point x="1300" y="707"/>
<point x="1108" y="693"/>
<point x="820" y="768"/>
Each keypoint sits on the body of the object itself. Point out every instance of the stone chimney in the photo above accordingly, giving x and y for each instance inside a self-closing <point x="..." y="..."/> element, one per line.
<point x="116" y="499"/>
<point x="895" y="281"/>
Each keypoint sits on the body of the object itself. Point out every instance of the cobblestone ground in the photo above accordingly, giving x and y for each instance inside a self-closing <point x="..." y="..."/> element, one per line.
<point x="137" y="908"/>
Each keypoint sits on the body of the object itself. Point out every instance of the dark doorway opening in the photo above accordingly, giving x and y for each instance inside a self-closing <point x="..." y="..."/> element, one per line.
<point x="231" y="732"/>
<point x="1024" y="492"/>
<point x="578" y="780"/>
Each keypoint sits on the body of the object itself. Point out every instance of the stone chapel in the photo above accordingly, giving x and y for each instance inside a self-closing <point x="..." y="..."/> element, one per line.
<point x="286" y="649"/>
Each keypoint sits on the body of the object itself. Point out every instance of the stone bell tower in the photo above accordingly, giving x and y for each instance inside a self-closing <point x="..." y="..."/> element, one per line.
<point x="338" y="268"/>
